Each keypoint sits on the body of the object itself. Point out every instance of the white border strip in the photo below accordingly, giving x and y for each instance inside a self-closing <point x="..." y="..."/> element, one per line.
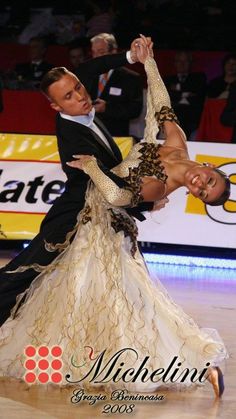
<point x="190" y="261"/>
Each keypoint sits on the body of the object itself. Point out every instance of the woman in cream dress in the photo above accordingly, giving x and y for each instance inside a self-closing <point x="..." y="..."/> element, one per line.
<point x="97" y="295"/>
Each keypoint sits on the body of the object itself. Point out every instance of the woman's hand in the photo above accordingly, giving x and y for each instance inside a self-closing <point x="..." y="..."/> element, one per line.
<point x="82" y="159"/>
<point x="144" y="49"/>
<point x="141" y="48"/>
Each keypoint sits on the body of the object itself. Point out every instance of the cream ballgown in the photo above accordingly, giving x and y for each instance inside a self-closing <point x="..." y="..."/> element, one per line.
<point x="98" y="292"/>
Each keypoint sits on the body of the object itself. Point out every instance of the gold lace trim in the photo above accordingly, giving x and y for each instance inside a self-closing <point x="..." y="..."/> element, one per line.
<point x="50" y="247"/>
<point x="150" y="165"/>
<point x="166" y="114"/>
<point x="35" y="266"/>
<point x="120" y="222"/>
<point x="85" y="215"/>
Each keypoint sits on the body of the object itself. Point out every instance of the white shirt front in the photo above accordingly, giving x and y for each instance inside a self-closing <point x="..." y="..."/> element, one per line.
<point x="87" y="121"/>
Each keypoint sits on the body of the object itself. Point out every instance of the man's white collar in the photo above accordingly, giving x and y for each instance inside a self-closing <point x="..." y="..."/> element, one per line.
<point x="86" y="120"/>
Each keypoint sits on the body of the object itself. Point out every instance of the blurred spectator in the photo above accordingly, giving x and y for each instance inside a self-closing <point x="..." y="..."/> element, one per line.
<point x="17" y="17"/>
<point x="219" y="87"/>
<point x="68" y="28"/>
<point x="29" y="74"/>
<point x="78" y="52"/>
<point x="41" y="24"/>
<point x="228" y="116"/>
<point x="101" y="19"/>
<point x="118" y="94"/>
<point x="187" y="92"/>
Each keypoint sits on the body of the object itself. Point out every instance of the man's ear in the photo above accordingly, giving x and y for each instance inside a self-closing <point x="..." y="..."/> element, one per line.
<point x="55" y="107"/>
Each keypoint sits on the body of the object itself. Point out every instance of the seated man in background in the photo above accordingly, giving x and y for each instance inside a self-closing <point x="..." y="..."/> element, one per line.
<point x="228" y="116"/>
<point x="187" y="92"/>
<point x="29" y="74"/>
<point x="118" y="94"/>
<point x="78" y="52"/>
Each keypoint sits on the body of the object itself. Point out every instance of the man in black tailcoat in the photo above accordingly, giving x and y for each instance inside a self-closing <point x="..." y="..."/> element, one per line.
<point x="77" y="133"/>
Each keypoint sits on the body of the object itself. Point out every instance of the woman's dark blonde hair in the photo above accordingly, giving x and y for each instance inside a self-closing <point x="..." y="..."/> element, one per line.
<point x="226" y="193"/>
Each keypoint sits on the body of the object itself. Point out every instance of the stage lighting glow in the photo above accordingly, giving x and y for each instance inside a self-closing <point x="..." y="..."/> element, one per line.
<point x="190" y="261"/>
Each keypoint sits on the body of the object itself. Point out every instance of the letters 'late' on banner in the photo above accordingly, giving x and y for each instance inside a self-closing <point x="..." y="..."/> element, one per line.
<point x="31" y="179"/>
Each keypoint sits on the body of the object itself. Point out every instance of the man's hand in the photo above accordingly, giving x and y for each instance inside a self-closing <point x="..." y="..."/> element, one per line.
<point x="100" y="105"/>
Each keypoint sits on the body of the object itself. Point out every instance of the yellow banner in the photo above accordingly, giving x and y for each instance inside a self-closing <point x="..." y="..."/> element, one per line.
<point x="30" y="178"/>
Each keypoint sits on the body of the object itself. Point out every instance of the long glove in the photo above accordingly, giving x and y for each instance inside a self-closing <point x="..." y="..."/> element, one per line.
<point x="158" y="102"/>
<point x="115" y="195"/>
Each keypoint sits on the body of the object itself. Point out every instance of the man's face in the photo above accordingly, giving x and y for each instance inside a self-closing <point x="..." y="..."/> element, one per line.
<point x="100" y="47"/>
<point x="76" y="57"/>
<point x="182" y="63"/>
<point x="69" y="96"/>
<point x="36" y="50"/>
<point x="230" y="67"/>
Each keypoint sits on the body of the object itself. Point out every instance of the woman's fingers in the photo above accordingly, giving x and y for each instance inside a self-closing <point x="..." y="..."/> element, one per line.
<point x="142" y="53"/>
<point x="145" y="39"/>
<point x="143" y="46"/>
<point x="81" y="159"/>
<point x="74" y="163"/>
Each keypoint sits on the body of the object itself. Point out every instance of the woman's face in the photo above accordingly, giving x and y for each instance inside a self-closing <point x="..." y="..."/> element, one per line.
<point x="204" y="183"/>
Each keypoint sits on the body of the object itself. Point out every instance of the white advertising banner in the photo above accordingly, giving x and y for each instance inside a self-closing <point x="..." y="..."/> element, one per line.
<point x="30" y="187"/>
<point x="31" y="179"/>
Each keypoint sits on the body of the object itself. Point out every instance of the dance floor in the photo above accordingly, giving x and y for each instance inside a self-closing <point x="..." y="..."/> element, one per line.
<point x="209" y="296"/>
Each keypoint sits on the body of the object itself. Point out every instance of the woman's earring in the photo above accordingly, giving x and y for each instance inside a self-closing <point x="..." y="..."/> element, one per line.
<point x="187" y="193"/>
<point x="205" y="164"/>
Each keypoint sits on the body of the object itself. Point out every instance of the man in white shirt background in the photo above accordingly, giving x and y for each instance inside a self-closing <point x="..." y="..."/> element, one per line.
<point x="117" y="94"/>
